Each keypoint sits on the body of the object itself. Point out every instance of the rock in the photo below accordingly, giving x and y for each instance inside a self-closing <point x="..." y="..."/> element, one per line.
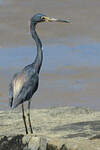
<point x="42" y="143"/>
<point x="25" y="142"/>
<point x="12" y="143"/>
<point x="63" y="147"/>
<point x="32" y="142"/>
<point x="54" y="129"/>
<point x="51" y="147"/>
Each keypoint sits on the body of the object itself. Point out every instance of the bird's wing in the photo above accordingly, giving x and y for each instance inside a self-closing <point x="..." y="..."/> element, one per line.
<point x="10" y="94"/>
<point x="24" y="86"/>
<point x="11" y="91"/>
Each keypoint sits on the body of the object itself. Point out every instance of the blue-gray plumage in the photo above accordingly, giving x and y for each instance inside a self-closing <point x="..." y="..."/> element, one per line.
<point x="23" y="86"/>
<point x="25" y="83"/>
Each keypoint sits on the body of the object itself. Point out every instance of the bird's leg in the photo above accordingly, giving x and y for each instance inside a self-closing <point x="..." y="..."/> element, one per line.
<point x="24" y="119"/>
<point x="28" y="114"/>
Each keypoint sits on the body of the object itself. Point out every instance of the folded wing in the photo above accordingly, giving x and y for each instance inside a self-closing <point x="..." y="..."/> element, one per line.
<point x="22" y="87"/>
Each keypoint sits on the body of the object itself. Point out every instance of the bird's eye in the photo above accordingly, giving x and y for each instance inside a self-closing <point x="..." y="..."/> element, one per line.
<point x="43" y="18"/>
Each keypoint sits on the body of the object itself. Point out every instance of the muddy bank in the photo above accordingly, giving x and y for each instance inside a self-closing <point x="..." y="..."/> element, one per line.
<point x="74" y="126"/>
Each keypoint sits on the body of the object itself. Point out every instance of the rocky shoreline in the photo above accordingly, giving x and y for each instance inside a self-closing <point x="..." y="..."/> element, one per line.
<point x="59" y="128"/>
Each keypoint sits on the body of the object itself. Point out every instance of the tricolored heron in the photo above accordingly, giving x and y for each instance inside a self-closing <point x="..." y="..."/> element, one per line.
<point x="25" y="83"/>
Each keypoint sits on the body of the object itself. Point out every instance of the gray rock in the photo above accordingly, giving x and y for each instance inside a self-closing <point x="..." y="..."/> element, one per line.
<point x="55" y="129"/>
<point x="51" y="147"/>
<point x="12" y="143"/>
<point x="27" y="142"/>
<point x="23" y="142"/>
<point x="63" y="147"/>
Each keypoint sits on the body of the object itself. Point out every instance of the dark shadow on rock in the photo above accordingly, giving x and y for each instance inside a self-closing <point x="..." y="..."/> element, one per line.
<point x="12" y="143"/>
<point x="51" y="147"/>
<point x="63" y="147"/>
<point x="54" y="147"/>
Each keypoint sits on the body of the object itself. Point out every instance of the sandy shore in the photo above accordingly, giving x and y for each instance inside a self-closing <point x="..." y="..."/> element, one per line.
<point x="72" y="126"/>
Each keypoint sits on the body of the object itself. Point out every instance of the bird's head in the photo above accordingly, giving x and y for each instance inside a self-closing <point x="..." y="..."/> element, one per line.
<point x="38" y="18"/>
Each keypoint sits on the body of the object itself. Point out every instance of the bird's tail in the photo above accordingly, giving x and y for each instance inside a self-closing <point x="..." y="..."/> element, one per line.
<point x="15" y="103"/>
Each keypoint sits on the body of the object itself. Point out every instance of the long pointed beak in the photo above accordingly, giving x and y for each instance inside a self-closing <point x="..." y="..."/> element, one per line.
<point x="48" y="19"/>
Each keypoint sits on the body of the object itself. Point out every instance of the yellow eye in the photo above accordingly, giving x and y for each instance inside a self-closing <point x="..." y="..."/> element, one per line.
<point x="43" y="18"/>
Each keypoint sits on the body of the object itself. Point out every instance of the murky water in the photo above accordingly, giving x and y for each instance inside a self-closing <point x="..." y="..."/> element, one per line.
<point x="69" y="75"/>
<point x="55" y="56"/>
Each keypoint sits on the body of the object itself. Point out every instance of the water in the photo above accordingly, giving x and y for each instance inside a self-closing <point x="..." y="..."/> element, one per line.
<point x="55" y="56"/>
<point x="1" y="2"/>
<point x="69" y="75"/>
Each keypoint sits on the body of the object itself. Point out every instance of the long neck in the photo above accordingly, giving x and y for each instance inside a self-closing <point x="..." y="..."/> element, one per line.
<point x="39" y="57"/>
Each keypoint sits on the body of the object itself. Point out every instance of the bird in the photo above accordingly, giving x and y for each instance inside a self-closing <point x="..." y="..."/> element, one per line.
<point x="25" y="83"/>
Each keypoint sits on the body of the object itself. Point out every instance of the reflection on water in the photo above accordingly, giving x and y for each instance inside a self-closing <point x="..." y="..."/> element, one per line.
<point x="69" y="76"/>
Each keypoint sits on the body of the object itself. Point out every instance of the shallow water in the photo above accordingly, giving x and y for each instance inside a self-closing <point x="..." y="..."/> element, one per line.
<point x="69" y="75"/>
<point x="55" y="56"/>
